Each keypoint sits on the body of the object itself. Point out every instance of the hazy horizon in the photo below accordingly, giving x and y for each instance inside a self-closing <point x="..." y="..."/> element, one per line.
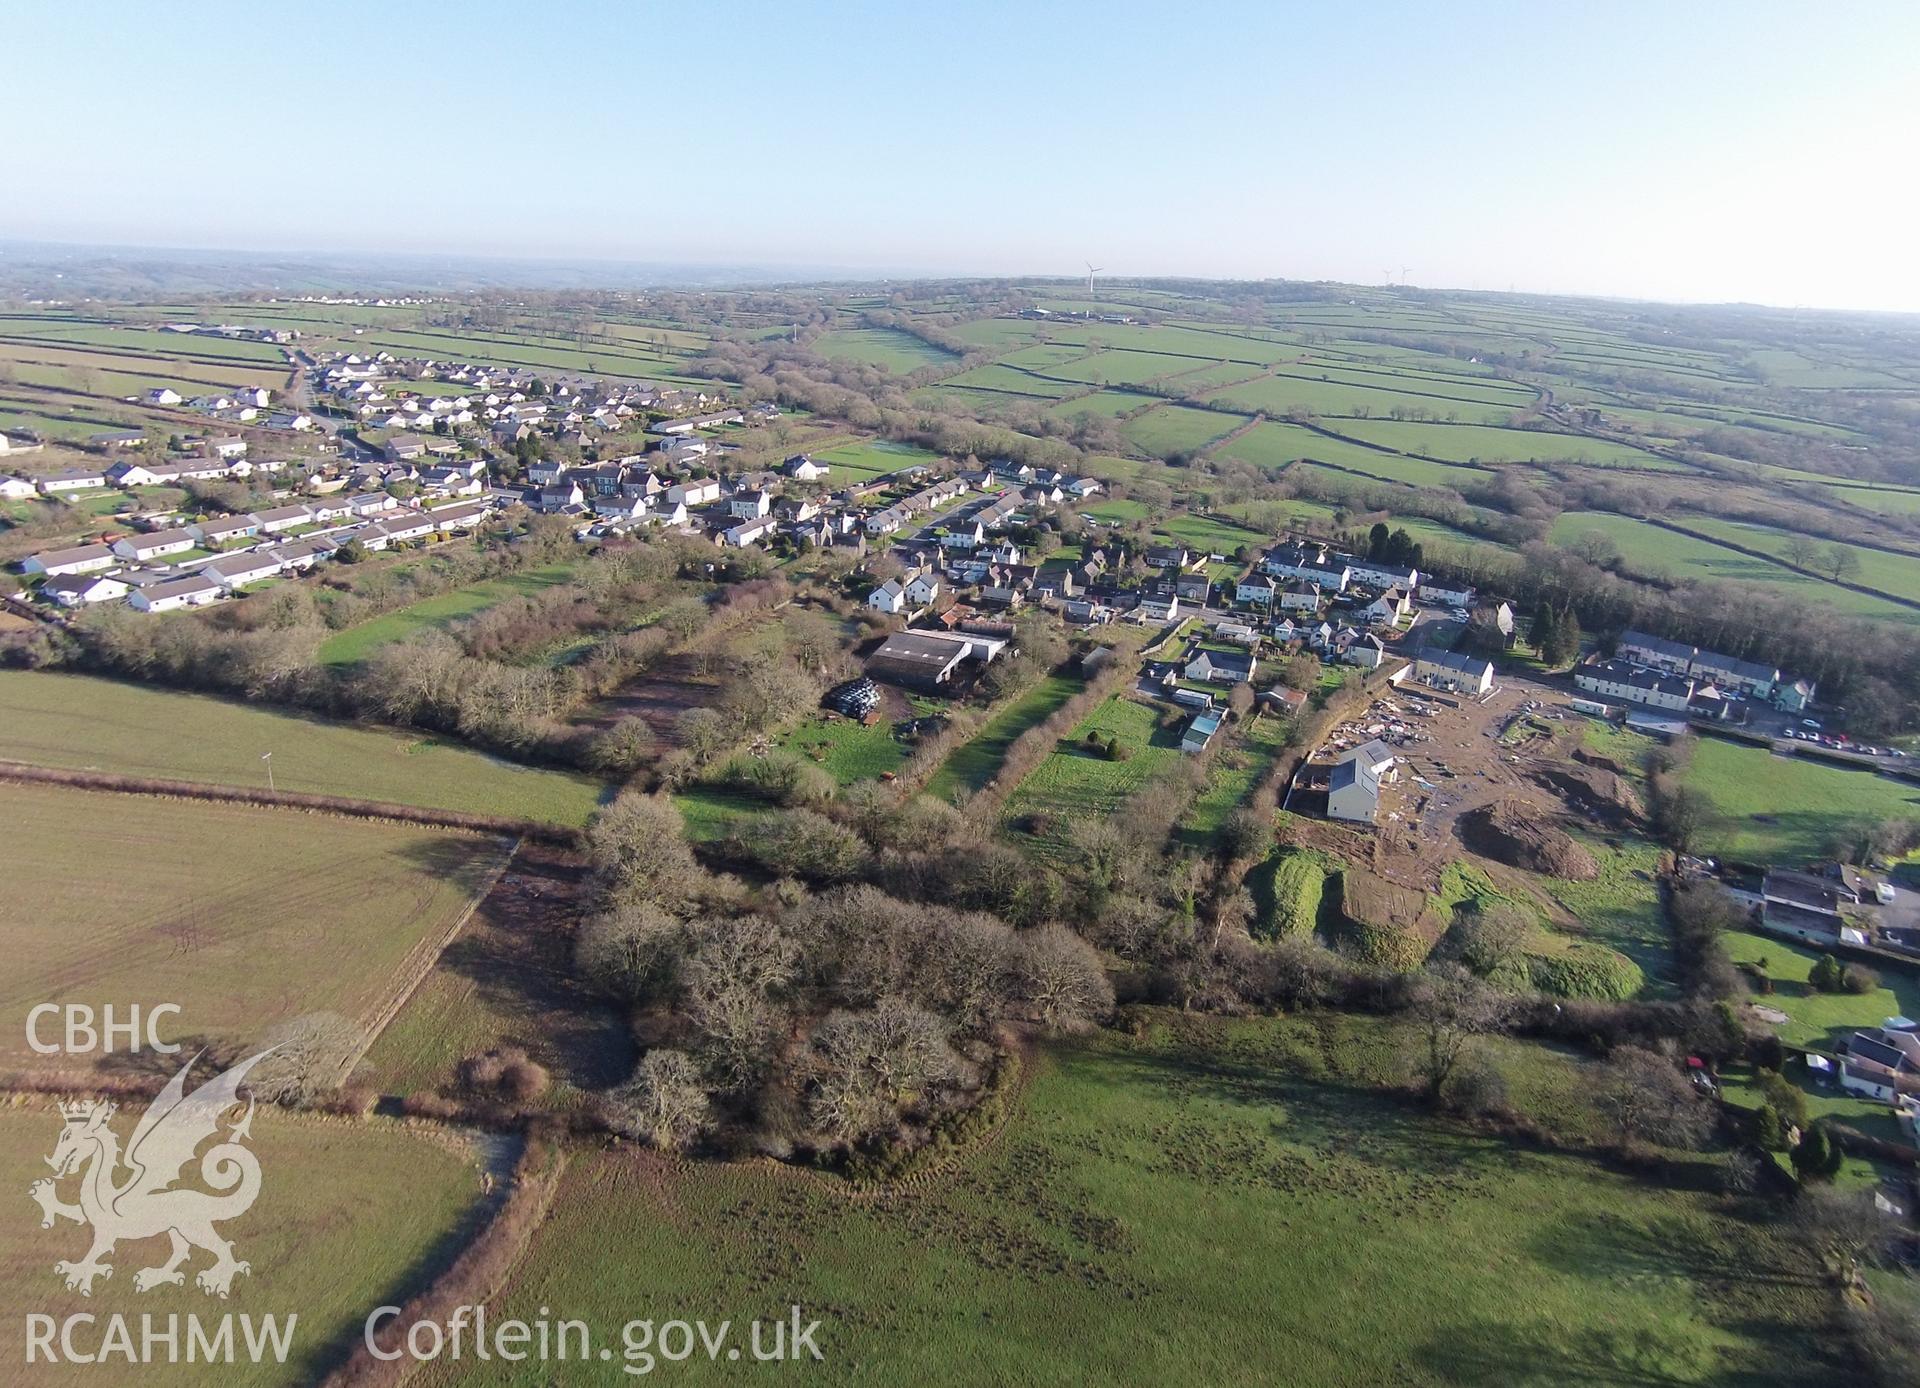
<point x="1701" y="156"/>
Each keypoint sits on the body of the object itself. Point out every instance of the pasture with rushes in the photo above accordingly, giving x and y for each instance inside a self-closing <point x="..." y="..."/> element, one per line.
<point x="244" y="917"/>
<point x="79" y="722"/>
<point x="1212" y="1203"/>
<point x="351" y="1215"/>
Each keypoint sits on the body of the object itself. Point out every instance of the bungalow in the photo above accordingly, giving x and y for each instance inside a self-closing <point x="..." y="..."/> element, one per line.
<point x="232" y="446"/>
<point x="224" y="529"/>
<point x="1283" y="700"/>
<point x="1222" y="667"/>
<point x="1087" y="613"/>
<point x="1200" y="731"/>
<point x="193" y="591"/>
<point x="118" y="438"/>
<point x="404" y="447"/>
<point x="16" y="489"/>
<point x="300" y="554"/>
<point x="162" y="395"/>
<point x="408" y="526"/>
<point x="461" y="517"/>
<point x="279" y="518"/>
<point x="72" y="480"/>
<point x="1168" y="557"/>
<point x="370" y="503"/>
<point x="80" y="559"/>
<point x="237" y="570"/>
<point x="154" y="545"/>
<point x="81" y="590"/>
<point x="296" y="422"/>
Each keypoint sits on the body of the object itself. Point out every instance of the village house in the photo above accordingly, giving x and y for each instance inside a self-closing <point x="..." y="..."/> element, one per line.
<point x="1619" y="679"/>
<point x="16" y="489"/>
<point x="1875" y="1062"/>
<point x="223" y="530"/>
<point x="1451" y="670"/>
<point x="802" y="468"/>
<point x="1168" y="557"/>
<point x="1283" y="700"/>
<point x="754" y="505"/>
<point x="749" y="532"/>
<point x="1390" y="608"/>
<point x="1446" y="595"/>
<point x="694" y="492"/>
<point x="1353" y="791"/>
<point x="1310" y="563"/>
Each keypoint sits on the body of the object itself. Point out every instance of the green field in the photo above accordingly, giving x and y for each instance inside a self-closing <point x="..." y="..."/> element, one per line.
<point x="1898" y="574"/>
<point x="1215" y="1203"/>
<point x="974" y="764"/>
<point x="243" y="916"/>
<point x="1460" y="443"/>
<point x="1173" y="429"/>
<point x="1655" y="551"/>
<point x="888" y="347"/>
<point x="77" y="722"/>
<point x="350" y="1216"/>
<point x="356" y="643"/>
<point x="861" y="462"/>
<point x="1235" y="772"/>
<point x="1787" y="810"/>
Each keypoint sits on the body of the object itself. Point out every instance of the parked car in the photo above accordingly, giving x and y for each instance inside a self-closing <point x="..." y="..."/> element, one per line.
<point x="1813" y="723"/>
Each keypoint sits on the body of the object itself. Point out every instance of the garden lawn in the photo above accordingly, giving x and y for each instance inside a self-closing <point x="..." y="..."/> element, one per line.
<point x="78" y="722"/>
<point x="1198" y="1207"/>
<point x="847" y="751"/>
<point x="1816" y="1019"/>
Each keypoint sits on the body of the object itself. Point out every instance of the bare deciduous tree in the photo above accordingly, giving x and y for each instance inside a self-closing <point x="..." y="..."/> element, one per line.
<point x="665" y="1103"/>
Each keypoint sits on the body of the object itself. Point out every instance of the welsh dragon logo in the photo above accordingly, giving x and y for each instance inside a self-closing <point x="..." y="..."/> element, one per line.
<point x="140" y="1205"/>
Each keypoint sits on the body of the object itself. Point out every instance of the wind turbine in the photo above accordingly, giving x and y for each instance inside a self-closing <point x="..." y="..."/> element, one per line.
<point x="1092" y="270"/>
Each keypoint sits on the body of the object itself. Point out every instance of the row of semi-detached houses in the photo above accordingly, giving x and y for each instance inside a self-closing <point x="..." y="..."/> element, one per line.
<point x="1663" y="674"/>
<point x="135" y="567"/>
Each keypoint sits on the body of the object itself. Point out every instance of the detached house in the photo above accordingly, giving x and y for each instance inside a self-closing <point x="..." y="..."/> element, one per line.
<point x="78" y="560"/>
<point x="153" y="546"/>
<point x="82" y="590"/>
<point x="1222" y="667"/>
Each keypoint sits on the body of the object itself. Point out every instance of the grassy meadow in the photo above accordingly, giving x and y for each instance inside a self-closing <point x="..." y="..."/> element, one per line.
<point x="1787" y="810"/>
<point x="243" y="916"/>
<point x="1214" y="1203"/>
<point x="350" y="1216"/>
<point x="78" y="722"/>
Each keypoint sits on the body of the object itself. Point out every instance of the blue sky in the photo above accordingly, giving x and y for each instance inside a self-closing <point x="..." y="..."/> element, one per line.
<point x="1698" y="151"/>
